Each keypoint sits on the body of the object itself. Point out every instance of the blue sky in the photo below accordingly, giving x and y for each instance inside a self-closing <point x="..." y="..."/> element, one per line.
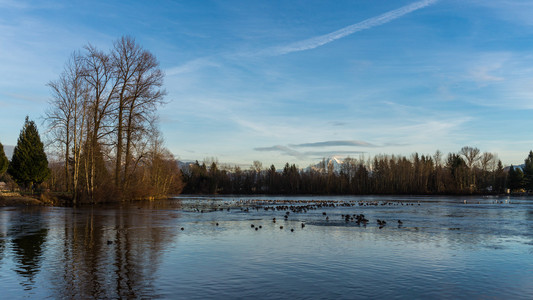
<point x="295" y="81"/>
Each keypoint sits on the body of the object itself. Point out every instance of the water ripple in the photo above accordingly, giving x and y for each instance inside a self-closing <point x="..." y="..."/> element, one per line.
<point x="443" y="249"/>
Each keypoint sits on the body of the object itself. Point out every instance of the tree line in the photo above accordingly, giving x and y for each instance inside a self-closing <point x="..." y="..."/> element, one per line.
<point x="466" y="172"/>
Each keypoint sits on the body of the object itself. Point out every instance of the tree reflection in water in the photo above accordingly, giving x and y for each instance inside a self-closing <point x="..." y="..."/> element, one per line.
<point x="110" y="252"/>
<point x="28" y="237"/>
<point x="4" y="221"/>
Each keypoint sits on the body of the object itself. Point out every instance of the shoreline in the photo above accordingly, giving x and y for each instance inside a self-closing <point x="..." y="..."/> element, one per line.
<point x="18" y="200"/>
<point x="15" y="199"/>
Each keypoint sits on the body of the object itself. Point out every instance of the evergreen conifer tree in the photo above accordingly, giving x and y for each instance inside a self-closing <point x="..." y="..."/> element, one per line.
<point x="528" y="171"/>
<point x="516" y="178"/>
<point x="3" y="160"/>
<point x="29" y="164"/>
<point x="500" y="178"/>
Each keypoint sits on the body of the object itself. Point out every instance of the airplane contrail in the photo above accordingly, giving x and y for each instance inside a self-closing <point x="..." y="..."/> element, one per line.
<point x="348" y="30"/>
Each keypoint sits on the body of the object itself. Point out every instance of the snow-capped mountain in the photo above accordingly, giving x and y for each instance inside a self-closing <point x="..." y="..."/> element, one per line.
<point x="335" y="163"/>
<point x="522" y="167"/>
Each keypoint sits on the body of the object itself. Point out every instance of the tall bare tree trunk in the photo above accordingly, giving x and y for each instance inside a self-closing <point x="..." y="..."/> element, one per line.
<point x="67" y="154"/>
<point x="119" y="150"/>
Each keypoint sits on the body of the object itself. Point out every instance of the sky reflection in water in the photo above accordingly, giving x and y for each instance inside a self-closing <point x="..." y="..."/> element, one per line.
<point x="445" y="248"/>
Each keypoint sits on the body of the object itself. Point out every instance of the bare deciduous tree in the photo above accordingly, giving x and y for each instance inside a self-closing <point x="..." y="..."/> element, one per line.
<point x="486" y="160"/>
<point x="105" y="103"/>
<point x="67" y="116"/>
<point x="139" y="81"/>
<point x="471" y="155"/>
<point x="100" y="77"/>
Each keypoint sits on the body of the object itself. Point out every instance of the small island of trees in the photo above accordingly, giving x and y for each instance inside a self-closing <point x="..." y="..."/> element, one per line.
<point x="102" y="130"/>
<point x="105" y="145"/>
<point x="103" y="122"/>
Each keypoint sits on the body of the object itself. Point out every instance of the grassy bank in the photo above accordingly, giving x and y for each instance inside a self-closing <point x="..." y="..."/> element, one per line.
<point x="16" y="199"/>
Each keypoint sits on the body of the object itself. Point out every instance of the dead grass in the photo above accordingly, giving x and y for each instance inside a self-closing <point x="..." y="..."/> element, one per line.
<point x="15" y="199"/>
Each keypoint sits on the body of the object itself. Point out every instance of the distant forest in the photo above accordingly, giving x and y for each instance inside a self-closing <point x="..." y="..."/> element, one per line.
<point x="467" y="172"/>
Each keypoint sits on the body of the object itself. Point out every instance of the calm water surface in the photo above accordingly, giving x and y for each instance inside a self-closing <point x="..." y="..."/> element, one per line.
<point x="445" y="248"/>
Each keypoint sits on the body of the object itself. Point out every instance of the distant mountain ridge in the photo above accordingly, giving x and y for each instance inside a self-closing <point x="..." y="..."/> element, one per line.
<point x="8" y="149"/>
<point x="334" y="162"/>
<point x="522" y="166"/>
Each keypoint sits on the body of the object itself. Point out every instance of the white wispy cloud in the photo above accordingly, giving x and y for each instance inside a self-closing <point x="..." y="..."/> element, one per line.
<point x="348" y="30"/>
<point x="336" y="143"/>
<point x="513" y="11"/>
<point x="25" y="5"/>
<point x="191" y="66"/>
<point x="498" y="79"/>
<point x="307" y="154"/>
<point x="489" y="67"/>
<point x="284" y="150"/>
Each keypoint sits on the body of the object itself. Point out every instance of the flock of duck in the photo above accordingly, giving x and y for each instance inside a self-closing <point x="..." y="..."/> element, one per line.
<point x="304" y="206"/>
<point x="358" y="219"/>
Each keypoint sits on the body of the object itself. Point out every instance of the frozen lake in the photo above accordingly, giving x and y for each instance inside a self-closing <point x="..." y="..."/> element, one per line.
<point x="206" y="247"/>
